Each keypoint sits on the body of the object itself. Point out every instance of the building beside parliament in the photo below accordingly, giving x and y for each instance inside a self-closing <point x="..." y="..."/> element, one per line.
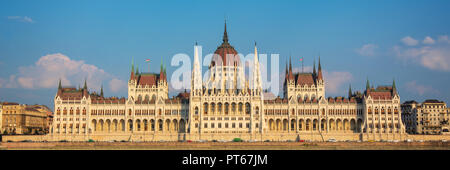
<point x="225" y="106"/>
<point x="22" y="119"/>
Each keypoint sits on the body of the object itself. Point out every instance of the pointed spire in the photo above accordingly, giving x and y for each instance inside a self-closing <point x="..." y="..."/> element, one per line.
<point x="367" y="84"/>
<point x="225" y="34"/>
<point x="394" y="88"/>
<point x="287" y="71"/>
<point x="320" y="67"/>
<point x="85" y="84"/>
<point x="290" y="64"/>
<point x="137" y="69"/>
<point x="314" y="67"/>
<point x="101" y="91"/>
<point x="320" y="70"/>
<point x="59" y="85"/>
<point x="350" y="94"/>
<point x="132" y="64"/>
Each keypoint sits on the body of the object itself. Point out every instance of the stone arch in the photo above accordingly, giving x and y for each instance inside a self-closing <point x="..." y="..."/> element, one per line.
<point x="353" y="125"/>
<point x="213" y="108"/>
<point x="182" y="126"/>
<point x="205" y="108"/>
<point x="147" y="98"/>
<point x="130" y="125"/>
<point x="308" y="124"/>
<point x="233" y="108"/>
<point x="122" y="125"/>
<point x="139" y="98"/>
<point x="145" y="122"/>
<point x="115" y="125"/>
<point x="323" y="125"/>
<point x="248" y="108"/>
<point x="346" y="126"/>
<point x="168" y="128"/>
<point x="293" y="124"/>
<point x="359" y="123"/>
<point x="138" y="125"/>
<point x="305" y="97"/>
<point x="152" y="125"/>
<point x="332" y="124"/>
<point x="94" y="124"/>
<point x="160" y="125"/>
<point x="196" y="110"/>
<point x="278" y="124"/>
<point x="108" y="125"/>
<point x="153" y="97"/>
<point x="339" y="124"/>
<point x="271" y="125"/>
<point x="241" y="108"/>
<point x="285" y="125"/>
<point x="315" y="124"/>
<point x="175" y="125"/>
<point x="301" y="125"/>
<point x="227" y="108"/>
<point x="219" y="108"/>
<point x="101" y="125"/>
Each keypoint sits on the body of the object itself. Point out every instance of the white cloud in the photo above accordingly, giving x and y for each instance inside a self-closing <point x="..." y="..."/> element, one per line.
<point x="434" y="57"/>
<point x="413" y="87"/>
<point x="409" y="41"/>
<point x="21" y="19"/>
<point x="47" y="71"/>
<point x="116" y="85"/>
<point x="367" y="50"/>
<point x="428" y="40"/>
<point x="443" y="38"/>
<point x="335" y="80"/>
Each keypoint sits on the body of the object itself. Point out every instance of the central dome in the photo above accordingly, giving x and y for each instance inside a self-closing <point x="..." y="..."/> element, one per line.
<point x="225" y="54"/>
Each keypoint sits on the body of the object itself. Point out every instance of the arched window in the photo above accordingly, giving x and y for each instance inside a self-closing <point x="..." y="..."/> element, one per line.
<point x="219" y="107"/>
<point x="205" y="108"/>
<point x="196" y="110"/>
<point x="227" y="108"/>
<point x="247" y="108"/>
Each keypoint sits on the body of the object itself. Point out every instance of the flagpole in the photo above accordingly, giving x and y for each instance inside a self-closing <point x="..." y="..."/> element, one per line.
<point x="302" y="65"/>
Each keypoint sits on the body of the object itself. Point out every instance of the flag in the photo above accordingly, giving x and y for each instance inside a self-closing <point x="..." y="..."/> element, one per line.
<point x="147" y="60"/>
<point x="301" y="59"/>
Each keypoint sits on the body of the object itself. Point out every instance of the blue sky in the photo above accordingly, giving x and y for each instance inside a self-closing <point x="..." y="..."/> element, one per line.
<point x="382" y="40"/>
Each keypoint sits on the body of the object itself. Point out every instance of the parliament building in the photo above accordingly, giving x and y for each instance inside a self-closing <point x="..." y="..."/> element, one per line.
<point x="225" y="106"/>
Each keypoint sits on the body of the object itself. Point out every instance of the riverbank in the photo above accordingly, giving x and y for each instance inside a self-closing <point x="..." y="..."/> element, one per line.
<point x="225" y="146"/>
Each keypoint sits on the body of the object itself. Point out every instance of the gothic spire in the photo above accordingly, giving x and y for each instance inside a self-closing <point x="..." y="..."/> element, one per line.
<point x="394" y="88"/>
<point x="319" y="76"/>
<point x="290" y="64"/>
<point x="85" y="84"/>
<point x="350" y="91"/>
<point x="59" y="86"/>
<point x="101" y="91"/>
<point x="367" y="84"/>
<point x="225" y="34"/>
<point x="314" y="67"/>
<point x="132" y="64"/>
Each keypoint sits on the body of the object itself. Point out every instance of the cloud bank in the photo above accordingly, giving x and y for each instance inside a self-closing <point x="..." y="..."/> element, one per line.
<point x="47" y="71"/>
<point x="21" y="19"/>
<point x="430" y="54"/>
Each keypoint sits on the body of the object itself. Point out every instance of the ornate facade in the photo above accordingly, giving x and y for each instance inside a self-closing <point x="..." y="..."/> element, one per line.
<point x="428" y="117"/>
<point x="226" y="105"/>
<point x="24" y="119"/>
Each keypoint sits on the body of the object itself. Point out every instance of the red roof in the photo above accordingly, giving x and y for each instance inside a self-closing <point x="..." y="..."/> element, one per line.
<point x="305" y="78"/>
<point x="146" y="79"/>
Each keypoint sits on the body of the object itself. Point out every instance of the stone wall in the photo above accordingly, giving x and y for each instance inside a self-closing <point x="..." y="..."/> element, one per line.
<point x="227" y="137"/>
